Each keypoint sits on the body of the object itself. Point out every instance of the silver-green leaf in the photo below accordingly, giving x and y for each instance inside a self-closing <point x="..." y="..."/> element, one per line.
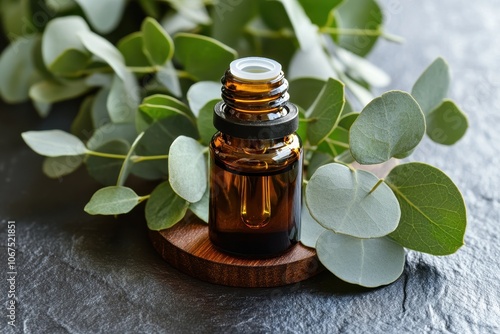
<point x="54" y="143"/>
<point x="345" y="201"/>
<point x="447" y="123"/>
<point x="164" y="208"/>
<point x="388" y="126"/>
<point x="432" y="86"/>
<point x="187" y="169"/>
<point x="433" y="214"/>
<point x="366" y="262"/>
<point x="112" y="200"/>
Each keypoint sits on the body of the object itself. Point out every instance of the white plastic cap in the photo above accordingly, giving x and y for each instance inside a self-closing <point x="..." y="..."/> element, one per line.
<point x="255" y="68"/>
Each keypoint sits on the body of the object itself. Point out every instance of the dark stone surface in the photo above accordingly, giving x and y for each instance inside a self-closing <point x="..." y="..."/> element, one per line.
<point x="85" y="274"/>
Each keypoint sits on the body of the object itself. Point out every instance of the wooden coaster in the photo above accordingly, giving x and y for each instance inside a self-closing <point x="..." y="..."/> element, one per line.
<point x="186" y="246"/>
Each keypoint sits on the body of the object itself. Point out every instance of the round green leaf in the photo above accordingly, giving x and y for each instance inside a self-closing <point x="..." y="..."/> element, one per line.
<point x="56" y="167"/>
<point x="205" y="122"/>
<point x="70" y="63"/>
<point x="123" y="100"/>
<point x="106" y="170"/>
<point x="303" y="91"/>
<point x="318" y="11"/>
<point x="104" y="16"/>
<point x="164" y="208"/>
<point x="390" y="125"/>
<point x="167" y="101"/>
<point x="187" y="169"/>
<point x="112" y="200"/>
<point x="196" y="51"/>
<point x="158" y="45"/>
<point x="167" y="76"/>
<point x="200" y="208"/>
<point x="347" y="120"/>
<point x="59" y="36"/>
<point x="50" y="92"/>
<point x="310" y="230"/>
<point x="157" y="140"/>
<point x="447" y="123"/>
<point x="54" y="143"/>
<point x="82" y="124"/>
<point x="317" y="160"/>
<point x="340" y="200"/>
<point x="17" y="70"/>
<point x="131" y="47"/>
<point x="432" y="86"/>
<point x="112" y="131"/>
<point x="336" y="143"/>
<point x="366" y="262"/>
<point x="358" y="14"/>
<point x="200" y="93"/>
<point x="324" y="113"/>
<point x="433" y="214"/>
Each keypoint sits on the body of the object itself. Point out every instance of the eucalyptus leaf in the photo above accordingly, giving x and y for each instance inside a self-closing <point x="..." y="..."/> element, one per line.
<point x="317" y="160"/>
<point x="200" y="208"/>
<point x="106" y="170"/>
<point x="194" y="10"/>
<point x="205" y="122"/>
<point x="99" y="112"/>
<point x="50" y="92"/>
<point x="56" y="167"/>
<point x="111" y="131"/>
<point x="157" y="140"/>
<point x="390" y="125"/>
<point x="310" y="230"/>
<point x="131" y="47"/>
<point x="167" y="76"/>
<point x="123" y="100"/>
<point x="360" y="68"/>
<point x="433" y="214"/>
<point x="106" y="51"/>
<point x="319" y="11"/>
<point x="70" y="63"/>
<point x="168" y="101"/>
<point x="447" y="123"/>
<point x="303" y="91"/>
<point x="347" y="120"/>
<point x="82" y="125"/>
<point x="54" y="143"/>
<point x="305" y="31"/>
<point x="358" y="14"/>
<point x="104" y="16"/>
<point x="336" y="143"/>
<point x="227" y="13"/>
<point x="342" y="200"/>
<point x="195" y="51"/>
<point x="59" y="37"/>
<point x="324" y="113"/>
<point x="113" y="200"/>
<point x="174" y="22"/>
<point x="17" y="68"/>
<point x="127" y="162"/>
<point x="189" y="180"/>
<point x="432" y="86"/>
<point x="312" y="62"/>
<point x="164" y="208"/>
<point x="366" y="262"/>
<point x="157" y="44"/>
<point x="200" y="93"/>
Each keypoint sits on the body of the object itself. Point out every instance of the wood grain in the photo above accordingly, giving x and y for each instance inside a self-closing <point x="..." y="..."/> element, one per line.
<point x="186" y="246"/>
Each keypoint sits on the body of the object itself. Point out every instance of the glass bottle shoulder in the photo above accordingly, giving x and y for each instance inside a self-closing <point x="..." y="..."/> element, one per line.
<point x="254" y="155"/>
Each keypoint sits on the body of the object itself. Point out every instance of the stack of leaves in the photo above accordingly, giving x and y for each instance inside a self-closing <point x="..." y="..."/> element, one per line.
<point x="148" y="104"/>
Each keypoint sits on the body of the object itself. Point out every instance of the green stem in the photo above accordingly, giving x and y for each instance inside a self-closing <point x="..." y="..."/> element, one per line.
<point x="376" y="186"/>
<point x="138" y="158"/>
<point x="267" y="33"/>
<point x="106" y="155"/>
<point x="351" y="31"/>
<point x="143" y="69"/>
<point x="308" y="120"/>
<point x="143" y="198"/>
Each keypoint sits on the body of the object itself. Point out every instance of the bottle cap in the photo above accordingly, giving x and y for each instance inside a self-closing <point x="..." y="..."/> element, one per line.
<point x="255" y="68"/>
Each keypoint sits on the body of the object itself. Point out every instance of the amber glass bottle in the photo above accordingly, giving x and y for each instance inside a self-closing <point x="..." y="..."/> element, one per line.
<point x="256" y="162"/>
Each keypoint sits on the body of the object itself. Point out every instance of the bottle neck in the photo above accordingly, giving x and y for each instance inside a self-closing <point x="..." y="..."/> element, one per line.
<point x="254" y="100"/>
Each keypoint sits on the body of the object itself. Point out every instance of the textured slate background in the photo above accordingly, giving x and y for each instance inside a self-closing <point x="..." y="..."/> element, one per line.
<point x="84" y="274"/>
